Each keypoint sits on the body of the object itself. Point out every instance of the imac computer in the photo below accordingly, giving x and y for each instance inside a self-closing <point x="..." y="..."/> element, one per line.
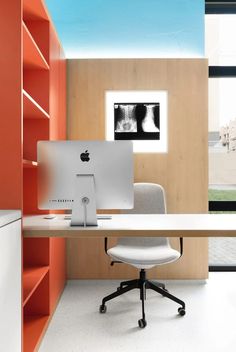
<point x="85" y="176"/>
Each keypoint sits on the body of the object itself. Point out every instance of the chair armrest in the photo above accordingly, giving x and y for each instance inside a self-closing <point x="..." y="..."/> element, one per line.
<point x="105" y="248"/>
<point x="105" y="244"/>
<point x="181" y="245"/>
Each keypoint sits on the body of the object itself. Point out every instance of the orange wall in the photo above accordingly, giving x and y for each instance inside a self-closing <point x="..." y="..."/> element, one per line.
<point x="10" y="105"/>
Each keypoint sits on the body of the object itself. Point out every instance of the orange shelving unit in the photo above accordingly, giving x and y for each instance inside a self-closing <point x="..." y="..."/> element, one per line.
<point x="33" y="107"/>
<point x="44" y="272"/>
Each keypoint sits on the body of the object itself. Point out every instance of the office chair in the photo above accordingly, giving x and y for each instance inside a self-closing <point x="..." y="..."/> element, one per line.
<point x="144" y="252"/>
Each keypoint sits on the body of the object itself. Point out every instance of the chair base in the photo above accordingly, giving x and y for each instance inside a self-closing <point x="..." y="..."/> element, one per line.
<point x="142" y="284"/>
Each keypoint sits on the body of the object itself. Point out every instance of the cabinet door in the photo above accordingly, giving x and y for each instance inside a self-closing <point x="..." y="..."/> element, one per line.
<point x="10" y="287"/>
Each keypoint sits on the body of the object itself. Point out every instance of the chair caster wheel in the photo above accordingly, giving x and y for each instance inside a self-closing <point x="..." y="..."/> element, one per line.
<point x="142" y="323"/>
<point x="102" y="308"/>
<point x="181" y="311"/>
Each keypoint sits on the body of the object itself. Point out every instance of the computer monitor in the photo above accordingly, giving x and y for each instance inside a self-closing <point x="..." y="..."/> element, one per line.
<point x="85" y="176"/>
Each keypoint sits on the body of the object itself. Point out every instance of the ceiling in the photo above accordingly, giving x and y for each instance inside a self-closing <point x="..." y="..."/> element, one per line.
<point x="129" y="28"/>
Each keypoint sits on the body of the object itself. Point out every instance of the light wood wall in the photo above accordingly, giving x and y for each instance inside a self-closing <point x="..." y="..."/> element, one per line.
<point x="183" y="171"/>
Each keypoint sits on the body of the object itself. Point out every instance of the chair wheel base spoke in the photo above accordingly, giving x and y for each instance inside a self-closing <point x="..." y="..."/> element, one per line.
<point x="142" y="323"/>
<point x="164" y="289"/>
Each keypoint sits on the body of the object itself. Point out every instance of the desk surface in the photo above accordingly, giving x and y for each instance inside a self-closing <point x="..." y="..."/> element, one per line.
<point x="121" y="225"/>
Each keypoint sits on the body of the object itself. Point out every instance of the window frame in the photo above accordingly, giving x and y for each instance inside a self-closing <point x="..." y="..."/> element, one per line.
<point x="222" y="7"/>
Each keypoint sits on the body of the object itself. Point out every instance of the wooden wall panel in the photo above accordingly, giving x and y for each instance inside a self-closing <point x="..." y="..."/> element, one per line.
<point x="183" y="171"/>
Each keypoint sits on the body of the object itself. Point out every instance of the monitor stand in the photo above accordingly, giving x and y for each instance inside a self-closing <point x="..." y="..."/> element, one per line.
<point x="84" y="205"/>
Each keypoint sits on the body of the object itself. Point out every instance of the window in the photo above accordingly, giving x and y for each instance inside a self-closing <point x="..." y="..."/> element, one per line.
<point x="220" y="49"/>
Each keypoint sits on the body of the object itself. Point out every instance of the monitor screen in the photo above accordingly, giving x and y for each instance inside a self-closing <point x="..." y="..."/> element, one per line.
<point x="110" y="163"/>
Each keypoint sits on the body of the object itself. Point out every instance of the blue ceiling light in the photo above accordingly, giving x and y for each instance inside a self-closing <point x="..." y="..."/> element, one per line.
<point x="129" y="28"/>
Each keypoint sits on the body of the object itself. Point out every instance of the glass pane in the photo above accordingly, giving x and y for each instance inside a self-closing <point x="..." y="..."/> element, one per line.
<point x="220" y="43"/>
<point x="222" y="251"/>
<point x="222" y="139"/>
<point x="220" y="48"/>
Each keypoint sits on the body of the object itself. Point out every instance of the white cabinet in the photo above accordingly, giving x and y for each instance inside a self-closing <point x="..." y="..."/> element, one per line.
<point x="10" y="281"/>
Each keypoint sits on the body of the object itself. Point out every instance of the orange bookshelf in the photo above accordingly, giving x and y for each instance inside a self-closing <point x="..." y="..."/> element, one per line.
<point x="44" y="261"/>
<point x="33" y="107"/>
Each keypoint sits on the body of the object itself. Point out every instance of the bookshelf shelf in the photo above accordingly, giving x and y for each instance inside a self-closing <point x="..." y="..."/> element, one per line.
<point x="32" y="276"/>
<point x="34" y="327"/>
<point x="29" y="164"/>
<point x="31" y="109"/>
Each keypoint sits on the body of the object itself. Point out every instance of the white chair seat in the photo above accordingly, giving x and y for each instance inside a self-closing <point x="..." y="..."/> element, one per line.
<point x="142" y="256"/>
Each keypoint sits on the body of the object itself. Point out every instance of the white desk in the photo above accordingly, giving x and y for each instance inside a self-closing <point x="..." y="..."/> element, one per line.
<point x="169" y="225"/>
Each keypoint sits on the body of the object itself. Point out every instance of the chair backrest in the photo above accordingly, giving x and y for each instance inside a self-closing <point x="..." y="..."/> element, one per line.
<point x="149" y="198"/>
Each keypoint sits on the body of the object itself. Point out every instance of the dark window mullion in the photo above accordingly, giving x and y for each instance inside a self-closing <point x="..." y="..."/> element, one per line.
<point x="222" y="268"/>
<point x="221" y="205"/>
<point x="220" y="7"/>
<point x="222" y="71"/>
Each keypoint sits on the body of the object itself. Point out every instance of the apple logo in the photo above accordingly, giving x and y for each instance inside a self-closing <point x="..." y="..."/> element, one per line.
<point x="85" y="156"/>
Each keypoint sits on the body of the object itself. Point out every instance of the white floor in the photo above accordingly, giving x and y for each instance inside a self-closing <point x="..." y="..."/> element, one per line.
<point x="208" y="326"/>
